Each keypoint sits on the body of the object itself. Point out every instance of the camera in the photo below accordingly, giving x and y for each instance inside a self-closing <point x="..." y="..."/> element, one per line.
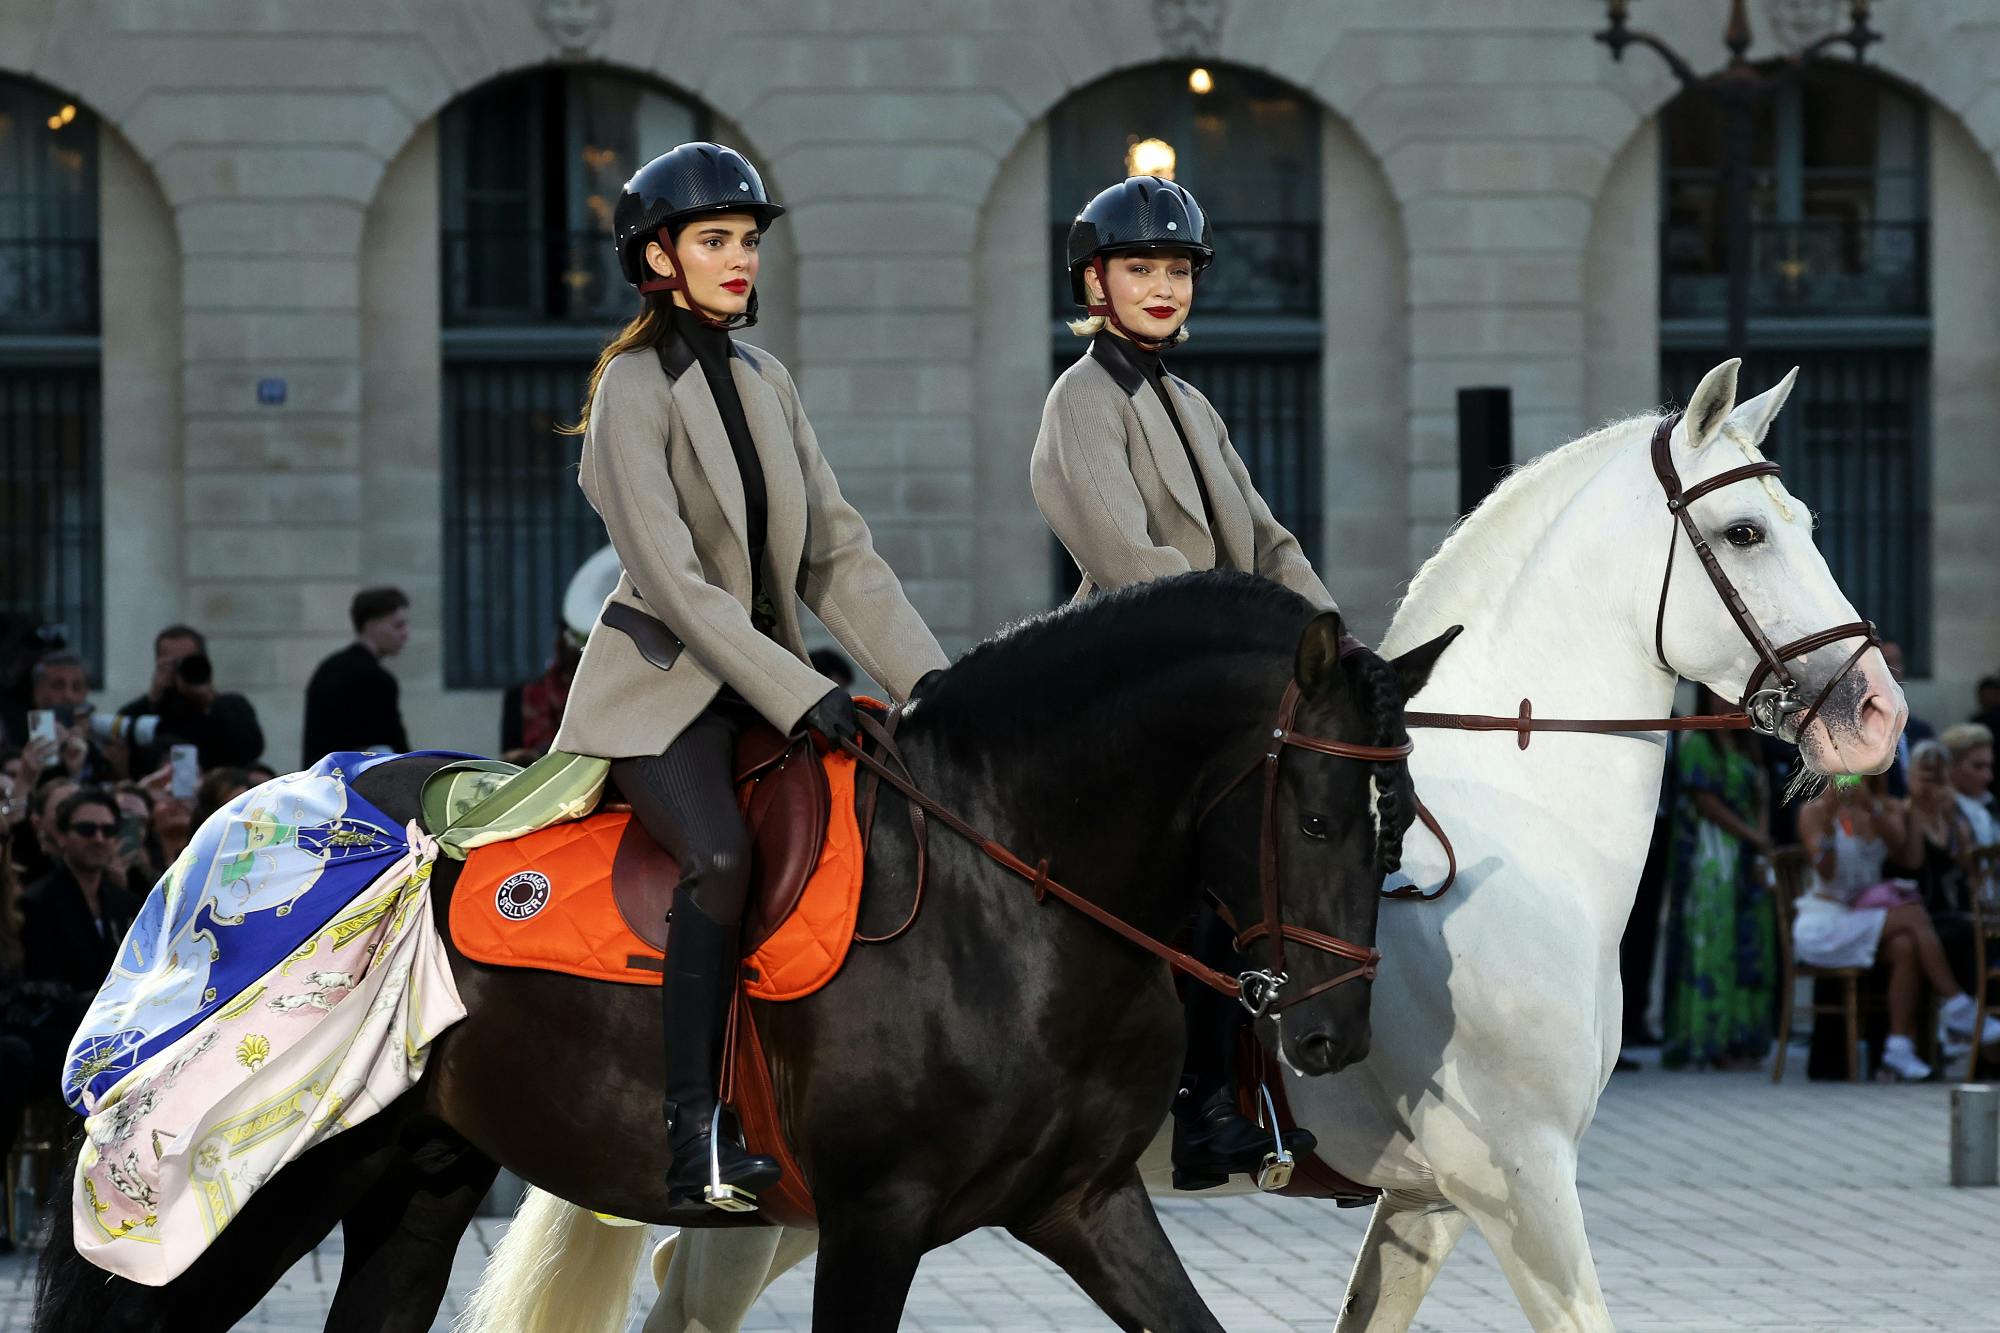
<point x="195" y="669"/>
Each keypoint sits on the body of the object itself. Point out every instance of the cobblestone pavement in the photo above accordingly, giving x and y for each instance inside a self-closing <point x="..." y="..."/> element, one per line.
<point x="1715" y="1201"/>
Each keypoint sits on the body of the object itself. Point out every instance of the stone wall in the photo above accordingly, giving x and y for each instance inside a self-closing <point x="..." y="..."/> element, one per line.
<point x="1486" y="166"/>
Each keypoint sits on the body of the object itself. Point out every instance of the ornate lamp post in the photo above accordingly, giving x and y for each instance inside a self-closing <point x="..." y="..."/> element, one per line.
<point x="1739" y="85"/>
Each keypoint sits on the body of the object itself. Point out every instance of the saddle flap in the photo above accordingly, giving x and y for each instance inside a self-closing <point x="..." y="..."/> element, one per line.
<point x="783" y="791"/>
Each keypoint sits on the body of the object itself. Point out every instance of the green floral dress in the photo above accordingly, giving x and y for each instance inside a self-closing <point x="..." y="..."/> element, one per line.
<point x="1721" y="950"/>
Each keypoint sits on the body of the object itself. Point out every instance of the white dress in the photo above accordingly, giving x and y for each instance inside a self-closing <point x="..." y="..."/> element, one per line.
<point x="1830" y="933"/>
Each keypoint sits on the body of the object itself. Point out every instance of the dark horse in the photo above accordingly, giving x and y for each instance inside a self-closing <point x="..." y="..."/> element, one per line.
<point x="1001" y="1064"/>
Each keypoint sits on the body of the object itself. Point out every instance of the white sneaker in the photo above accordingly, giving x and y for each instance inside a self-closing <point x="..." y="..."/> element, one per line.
<point x="1899" y="1056"/>
<point x="1956" y="1014"/>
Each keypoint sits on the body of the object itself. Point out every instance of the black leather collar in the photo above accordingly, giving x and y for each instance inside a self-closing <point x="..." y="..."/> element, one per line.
<point x="1120" y="360"/>
<point x="675" y="356"/>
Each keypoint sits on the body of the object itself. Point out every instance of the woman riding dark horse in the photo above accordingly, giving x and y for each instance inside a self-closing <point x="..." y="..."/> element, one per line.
<point x="1002" y="1062"/>
<point x="1134" y="473"/>
<point x="698" y="454"/>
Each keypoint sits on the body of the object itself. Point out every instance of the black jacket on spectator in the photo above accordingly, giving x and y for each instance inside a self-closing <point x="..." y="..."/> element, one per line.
<point x="226" y="735"/>
<point x="62" y="941"/>
<point x="351" y="704"/>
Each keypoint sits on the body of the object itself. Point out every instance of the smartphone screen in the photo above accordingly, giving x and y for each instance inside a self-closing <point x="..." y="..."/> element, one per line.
<point x="187" y="772"/>
<point x="42" y="725"/>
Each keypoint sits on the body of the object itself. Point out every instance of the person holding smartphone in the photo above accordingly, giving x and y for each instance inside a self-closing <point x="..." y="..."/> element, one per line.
<point x="59" y="712"/>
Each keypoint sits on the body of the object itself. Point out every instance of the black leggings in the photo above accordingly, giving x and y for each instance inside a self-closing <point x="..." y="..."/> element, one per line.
<point x="685" y="798"/>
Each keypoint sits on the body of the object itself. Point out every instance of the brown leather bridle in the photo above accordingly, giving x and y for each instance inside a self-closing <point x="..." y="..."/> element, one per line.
<point x="1764" y="708"/>
<point x="1258" y="989"/>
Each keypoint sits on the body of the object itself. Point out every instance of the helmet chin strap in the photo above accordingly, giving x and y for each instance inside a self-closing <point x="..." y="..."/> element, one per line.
<point x="1111" y="316"/>
<point x="676" y="282"/>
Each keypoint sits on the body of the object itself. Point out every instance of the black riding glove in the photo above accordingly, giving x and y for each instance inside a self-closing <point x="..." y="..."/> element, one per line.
<point x="833" y="716"/>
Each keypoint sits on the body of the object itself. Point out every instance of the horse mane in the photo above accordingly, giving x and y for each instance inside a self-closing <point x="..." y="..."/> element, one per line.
<point x="1478" y="544"/>
<point x="1052" y="668"/>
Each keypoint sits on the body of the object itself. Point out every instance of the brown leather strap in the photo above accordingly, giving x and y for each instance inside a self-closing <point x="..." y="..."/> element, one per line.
<point x="1526" y="724"/>
<point x="1450" y="861"/>
<point x="884" y="736"/>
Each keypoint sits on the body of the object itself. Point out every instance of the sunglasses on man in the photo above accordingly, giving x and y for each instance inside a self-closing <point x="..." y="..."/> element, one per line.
<point x="86" y="828"/>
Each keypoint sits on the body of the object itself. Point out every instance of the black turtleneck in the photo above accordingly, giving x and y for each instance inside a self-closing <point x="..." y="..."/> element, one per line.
<point x="713" y="351"/>
<point x="1147" y="364"/>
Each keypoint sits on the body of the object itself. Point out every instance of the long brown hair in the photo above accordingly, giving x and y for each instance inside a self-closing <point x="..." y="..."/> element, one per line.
<point x="647" y="329"/>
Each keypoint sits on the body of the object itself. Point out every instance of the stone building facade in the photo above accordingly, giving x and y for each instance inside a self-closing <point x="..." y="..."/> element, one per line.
<point x="1489" y="212"/>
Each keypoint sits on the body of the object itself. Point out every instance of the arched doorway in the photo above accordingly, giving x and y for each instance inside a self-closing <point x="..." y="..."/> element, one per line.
<point x="1249" y="148"/>
<point x="1840" y="287"/>
<point x="530" y="168"/>
<point x="51" y="487"/>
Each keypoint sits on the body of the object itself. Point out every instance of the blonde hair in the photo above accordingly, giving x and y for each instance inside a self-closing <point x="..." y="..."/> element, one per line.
<point x="1965" y="736"/>
<point x="1091" y="326"/>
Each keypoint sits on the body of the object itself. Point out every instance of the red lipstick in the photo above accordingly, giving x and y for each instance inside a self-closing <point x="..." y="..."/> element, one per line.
<point x="1160" y="311"/>
<point x="737" y="285"/>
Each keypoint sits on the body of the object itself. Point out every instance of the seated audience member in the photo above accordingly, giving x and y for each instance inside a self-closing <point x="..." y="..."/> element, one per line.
<point x="221" y="726"/>
<point x="36" y="853"/>
<point x="531" y="712"/>
<point x="13" y="794"/>
<point x="1971" y="749"/>
<point x="137" y="864"/>
<point x="1937" y="840"/>
<point x="74" y="918"/>
<point x="1852" y="916"/>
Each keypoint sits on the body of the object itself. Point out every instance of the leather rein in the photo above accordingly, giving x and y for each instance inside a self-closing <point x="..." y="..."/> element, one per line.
<point x="1258" y="989"/>
<point x="1770" y="696"/>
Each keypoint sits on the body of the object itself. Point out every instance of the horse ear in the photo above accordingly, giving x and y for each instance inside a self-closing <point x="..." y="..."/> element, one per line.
<point x="1317" y="664"/>
<point x="1413" y="668"/>
<point x="1752" y="420"/>
<point x="1710" y="406"/>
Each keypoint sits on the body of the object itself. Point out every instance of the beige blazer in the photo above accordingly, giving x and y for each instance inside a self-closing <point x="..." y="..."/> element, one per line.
<point x="658" y="467"/>
<point x="1114" y="484"/>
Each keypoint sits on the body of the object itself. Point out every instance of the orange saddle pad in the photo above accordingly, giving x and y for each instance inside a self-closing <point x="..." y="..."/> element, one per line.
<point x="545" y="901"/>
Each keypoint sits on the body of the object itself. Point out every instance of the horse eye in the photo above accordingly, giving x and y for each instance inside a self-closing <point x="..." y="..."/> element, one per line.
<point x="1313" y="826"/>
<point x="1744" y="534"/>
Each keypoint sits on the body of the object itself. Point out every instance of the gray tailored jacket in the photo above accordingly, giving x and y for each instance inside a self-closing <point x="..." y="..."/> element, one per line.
<point x="1113" y="482"/>
<point x="658" y="467"/>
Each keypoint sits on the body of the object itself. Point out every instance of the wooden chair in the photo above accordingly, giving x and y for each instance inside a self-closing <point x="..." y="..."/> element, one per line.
<point x="1792" y="878"/>
<point x="1984" y="891"/>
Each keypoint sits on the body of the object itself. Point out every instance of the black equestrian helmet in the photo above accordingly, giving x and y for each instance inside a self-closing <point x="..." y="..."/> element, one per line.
<point x="1138" y="213"/>
<point x="679" y="184"/>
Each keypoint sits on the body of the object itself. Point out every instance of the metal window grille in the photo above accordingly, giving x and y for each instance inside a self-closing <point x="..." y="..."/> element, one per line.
<point x="51" y="519"/>
<point x="516" y="525"/>
<point x="1854" y="442"/>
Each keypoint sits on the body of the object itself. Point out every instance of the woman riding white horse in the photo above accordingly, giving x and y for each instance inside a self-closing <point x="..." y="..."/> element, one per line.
<point x="1496" y="1015"/>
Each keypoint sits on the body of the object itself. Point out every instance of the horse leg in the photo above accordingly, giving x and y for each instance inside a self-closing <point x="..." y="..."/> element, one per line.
<point x="1408" y="1238"/>
<point x="402" y="1235"/>
<point x="1525" y="1203"/>
<point x="1111" y="1244"/>
<point x="867" y="1260"/>
<point x="709" y="1279"/>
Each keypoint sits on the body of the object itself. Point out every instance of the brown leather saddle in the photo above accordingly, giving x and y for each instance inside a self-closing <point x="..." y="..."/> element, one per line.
<point x="782" y="789"/>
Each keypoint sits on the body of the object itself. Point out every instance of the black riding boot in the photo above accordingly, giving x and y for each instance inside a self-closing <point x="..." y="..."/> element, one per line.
<point x="1213" y="1139"/>
<point x="702" y="968"/>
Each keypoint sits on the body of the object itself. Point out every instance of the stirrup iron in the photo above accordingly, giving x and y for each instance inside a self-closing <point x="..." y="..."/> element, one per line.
<point x="1276" y="1172"/>
<point x="728" y="1198"/>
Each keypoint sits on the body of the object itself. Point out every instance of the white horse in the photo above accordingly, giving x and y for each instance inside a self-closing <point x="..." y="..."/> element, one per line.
<point x="1497" y="1012"/>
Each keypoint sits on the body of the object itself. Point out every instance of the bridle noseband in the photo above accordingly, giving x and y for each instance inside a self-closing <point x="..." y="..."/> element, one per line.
<point x="1767" y="707"/>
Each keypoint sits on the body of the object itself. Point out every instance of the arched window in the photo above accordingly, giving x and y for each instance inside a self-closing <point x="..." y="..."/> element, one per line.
<point x="51" y="564"/>
<point x="1249" y="148"/>
<point x="1840" y="287"/>
<point x="531" y="169"/>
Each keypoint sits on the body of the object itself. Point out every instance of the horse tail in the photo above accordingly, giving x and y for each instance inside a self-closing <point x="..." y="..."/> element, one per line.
<point x="72" y="1295"/>
<point x="558" y="1268"/>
